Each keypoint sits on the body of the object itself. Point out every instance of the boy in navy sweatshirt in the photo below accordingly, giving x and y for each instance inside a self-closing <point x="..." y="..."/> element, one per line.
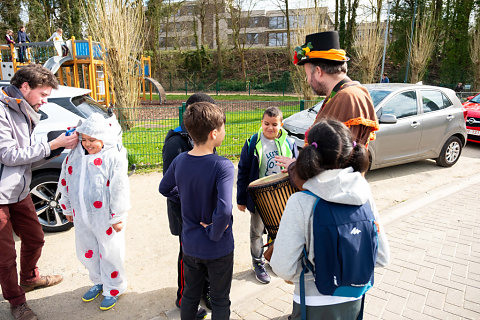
<point x="204" y="182"/>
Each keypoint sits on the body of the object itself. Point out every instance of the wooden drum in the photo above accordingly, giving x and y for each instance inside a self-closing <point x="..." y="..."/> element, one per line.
<point x="270" y="195"/>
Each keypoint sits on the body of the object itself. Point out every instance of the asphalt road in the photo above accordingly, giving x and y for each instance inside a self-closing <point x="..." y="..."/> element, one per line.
<point x="152" y="251"/>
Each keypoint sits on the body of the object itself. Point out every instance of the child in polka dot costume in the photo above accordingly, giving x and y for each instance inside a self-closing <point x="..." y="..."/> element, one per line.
<point x="95" y="197"/>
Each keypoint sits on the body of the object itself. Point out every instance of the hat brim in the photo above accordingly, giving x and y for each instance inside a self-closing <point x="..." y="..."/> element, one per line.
<point x="313" y="60"/>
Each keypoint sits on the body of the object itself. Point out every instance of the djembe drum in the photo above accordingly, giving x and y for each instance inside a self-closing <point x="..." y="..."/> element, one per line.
<point x="270" y="195"/>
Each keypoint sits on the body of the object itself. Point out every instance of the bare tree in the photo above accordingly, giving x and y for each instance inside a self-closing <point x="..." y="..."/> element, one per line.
<point x="218" y="9"/>
<point x="118" y="25"/>
<point x="201" y="7"/>
<point x="312" y="22"/>
<point x="475" y="56"/>
<point x="239" y="13"/>
<point x="422" y="45"/>
<point x="367" y="50"/>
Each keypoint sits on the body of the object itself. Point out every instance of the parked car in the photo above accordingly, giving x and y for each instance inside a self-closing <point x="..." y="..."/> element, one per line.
<point x="472" y="106"/>
<point x="65" y="107"/>
<point x="416" y="122"/>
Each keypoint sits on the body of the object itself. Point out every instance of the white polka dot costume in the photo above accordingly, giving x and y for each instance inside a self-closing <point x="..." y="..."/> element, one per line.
<point x="95" y="191"/>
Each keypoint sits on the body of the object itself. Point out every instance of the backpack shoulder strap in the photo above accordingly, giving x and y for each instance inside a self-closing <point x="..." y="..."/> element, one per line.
<point x="252" y="142"/>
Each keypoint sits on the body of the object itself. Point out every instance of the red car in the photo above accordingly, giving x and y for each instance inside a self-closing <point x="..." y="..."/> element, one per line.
<point x="472" y="106"/>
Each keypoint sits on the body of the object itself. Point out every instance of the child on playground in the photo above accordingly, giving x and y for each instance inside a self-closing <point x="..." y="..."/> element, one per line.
<point x="332" y="165"/>
<point x="203" y="181"/>
<point x="257" y="160"/>
<point x="95" y="197"/>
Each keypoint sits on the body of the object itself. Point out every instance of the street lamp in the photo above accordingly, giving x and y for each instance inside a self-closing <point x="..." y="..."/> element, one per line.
<point x="385" y="42"/>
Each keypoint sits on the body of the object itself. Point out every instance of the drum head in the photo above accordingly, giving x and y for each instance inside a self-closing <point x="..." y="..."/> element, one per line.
<point x="268" y="180"/>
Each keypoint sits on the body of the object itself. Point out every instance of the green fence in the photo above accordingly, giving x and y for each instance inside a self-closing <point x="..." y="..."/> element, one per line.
<point x="144" y="141"/>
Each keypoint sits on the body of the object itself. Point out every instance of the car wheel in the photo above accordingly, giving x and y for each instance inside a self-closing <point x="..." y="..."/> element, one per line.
<point x="450" y="153"/>
<point x="43" y="190"/>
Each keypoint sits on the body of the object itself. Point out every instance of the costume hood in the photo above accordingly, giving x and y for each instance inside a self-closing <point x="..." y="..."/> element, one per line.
<point x="106" y="129"/>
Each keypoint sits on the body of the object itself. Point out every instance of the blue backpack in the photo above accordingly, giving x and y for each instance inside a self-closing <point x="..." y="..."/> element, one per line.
<point x="345" y="246"/>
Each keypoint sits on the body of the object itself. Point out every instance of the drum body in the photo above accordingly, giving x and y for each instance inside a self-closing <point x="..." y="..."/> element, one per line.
<point x="270" y="195"/>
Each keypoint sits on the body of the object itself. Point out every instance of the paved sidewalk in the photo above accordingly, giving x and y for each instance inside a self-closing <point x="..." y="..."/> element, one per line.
<point x="434" y="271"/>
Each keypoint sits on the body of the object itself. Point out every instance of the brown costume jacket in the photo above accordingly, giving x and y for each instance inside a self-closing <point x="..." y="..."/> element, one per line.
<point x="352" y="105"/>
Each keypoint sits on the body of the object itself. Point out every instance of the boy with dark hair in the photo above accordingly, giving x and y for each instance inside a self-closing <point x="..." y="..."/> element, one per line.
<point x="257" y="160"/>
<point x="177" y="141"/>
<point x="204" y="181"/>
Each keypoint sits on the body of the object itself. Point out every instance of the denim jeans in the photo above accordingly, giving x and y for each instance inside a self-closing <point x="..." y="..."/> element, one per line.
<point x="220" y="273"/>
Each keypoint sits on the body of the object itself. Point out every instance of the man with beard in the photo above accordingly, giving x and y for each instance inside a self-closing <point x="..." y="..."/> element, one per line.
<point x="345" y="100"/>
<point x="19" y="106"/>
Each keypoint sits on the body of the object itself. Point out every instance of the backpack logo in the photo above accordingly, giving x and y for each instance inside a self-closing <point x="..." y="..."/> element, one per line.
<point x="355" y="231"/>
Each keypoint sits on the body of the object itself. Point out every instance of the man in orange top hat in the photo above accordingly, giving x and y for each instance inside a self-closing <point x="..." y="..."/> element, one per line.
<point x="345" y="100"/>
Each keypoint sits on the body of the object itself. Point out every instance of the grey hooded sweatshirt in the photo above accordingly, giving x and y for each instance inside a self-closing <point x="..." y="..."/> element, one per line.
<point x="339" y="186"/>
<point x="18" y="150"/>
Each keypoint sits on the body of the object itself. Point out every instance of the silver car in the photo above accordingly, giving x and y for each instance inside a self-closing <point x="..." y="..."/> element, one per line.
<point x="416" y="122"/>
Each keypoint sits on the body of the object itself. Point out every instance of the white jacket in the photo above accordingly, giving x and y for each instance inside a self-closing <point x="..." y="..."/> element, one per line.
<point x="96" y="185"/>
<point x="339" y="186"/>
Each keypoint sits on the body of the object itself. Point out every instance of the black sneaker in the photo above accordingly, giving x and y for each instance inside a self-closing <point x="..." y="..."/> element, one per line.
<point x="201" y="313"/>
<point x="260" y="273"/>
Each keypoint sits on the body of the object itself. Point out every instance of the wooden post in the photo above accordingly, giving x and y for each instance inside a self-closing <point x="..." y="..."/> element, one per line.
<point x="92" y="71"/>
<point x="76" y="81"/>
<point x="68" y="76"/>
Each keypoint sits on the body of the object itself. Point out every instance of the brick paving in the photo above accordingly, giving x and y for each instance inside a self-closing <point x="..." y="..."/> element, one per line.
<point x="434" y="271"/>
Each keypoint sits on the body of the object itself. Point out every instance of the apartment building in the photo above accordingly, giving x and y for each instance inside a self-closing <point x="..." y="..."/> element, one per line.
<point x="192" y="24"/>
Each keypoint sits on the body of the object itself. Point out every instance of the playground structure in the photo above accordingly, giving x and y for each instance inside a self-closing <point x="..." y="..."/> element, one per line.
<point x="82" y="66"/>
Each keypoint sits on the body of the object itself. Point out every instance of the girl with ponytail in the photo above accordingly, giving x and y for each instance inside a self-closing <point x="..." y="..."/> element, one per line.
<point x="332" y="165"/>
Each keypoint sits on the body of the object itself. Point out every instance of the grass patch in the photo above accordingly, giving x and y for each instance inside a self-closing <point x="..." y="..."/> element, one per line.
<point x="145" y="141"/>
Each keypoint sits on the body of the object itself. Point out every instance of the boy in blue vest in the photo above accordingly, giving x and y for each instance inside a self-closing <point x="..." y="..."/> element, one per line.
<point x="203" y="181"/>
<point x="257" y="160"/>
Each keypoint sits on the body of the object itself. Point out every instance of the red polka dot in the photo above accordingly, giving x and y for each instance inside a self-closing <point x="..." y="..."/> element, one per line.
<point x="108" y="183"/>
<point x="64" y="183"/>
<point x="112" y="214"/>
<point x="97" y="162"/>
<point x="114" y="293"/>
<point x="109" y="231"/>
<point x="70" y="169"/>
<point x="101" y="256"/>
<point x="74" y="212"/>
<point x="98" y="204"/>
<point x="89" y="254"/>
<point x="66" y="160"/>
<point x="114" y="274"/>
<point x="64" y="207"/>
<point x="67" y="188"/>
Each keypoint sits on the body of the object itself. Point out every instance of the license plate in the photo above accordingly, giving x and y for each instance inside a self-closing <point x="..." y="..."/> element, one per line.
<point x="473" y="132"/>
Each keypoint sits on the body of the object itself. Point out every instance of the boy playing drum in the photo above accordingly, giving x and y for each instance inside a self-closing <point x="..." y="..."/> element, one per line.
<point x="257" y="160"/>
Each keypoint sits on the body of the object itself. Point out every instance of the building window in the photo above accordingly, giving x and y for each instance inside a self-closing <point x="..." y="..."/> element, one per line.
<point x="277" y="23"/>
<point x="277" y="39"/>
<point x="252" y="38"/>
<point x="254" y="22"/>
<point x="298" y="21"/>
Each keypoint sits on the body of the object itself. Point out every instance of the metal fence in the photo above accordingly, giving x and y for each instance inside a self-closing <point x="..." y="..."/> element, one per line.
<point x="144" y="140"/>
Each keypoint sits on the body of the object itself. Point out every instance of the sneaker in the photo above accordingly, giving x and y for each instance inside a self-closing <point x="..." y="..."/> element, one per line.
<point x="23" y="312"/>
<point x="92" y="293"/>
<point x="108" y="303"/>
<point x="201" y="313"/>
<point x="42" y="282"/>
<point x="260" y="273"/>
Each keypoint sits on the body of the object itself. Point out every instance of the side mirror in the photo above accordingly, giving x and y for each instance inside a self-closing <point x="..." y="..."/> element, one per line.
<point x="388" y="118"/>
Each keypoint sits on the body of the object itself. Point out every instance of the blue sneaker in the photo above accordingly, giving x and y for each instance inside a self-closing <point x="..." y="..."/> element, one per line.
<point x="108" y="303"/>
<point x="92" y="293"/>
<point x="261" y="273"/>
